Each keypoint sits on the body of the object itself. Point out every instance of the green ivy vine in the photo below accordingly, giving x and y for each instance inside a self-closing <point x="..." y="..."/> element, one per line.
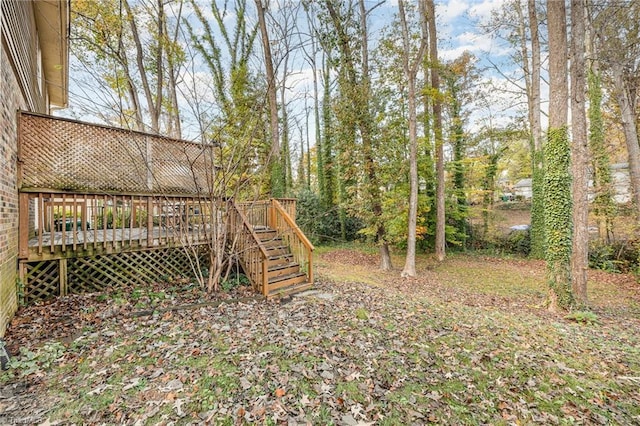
<point x="557" y="216"/>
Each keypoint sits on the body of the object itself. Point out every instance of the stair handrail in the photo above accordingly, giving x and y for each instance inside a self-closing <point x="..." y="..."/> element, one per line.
<point x="248" y="227"/>
<point x="277" y="208"/>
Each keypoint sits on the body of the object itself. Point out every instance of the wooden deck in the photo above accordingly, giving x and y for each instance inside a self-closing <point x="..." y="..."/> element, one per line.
<point x="100" y="206"/>
<point x="53" y="244"/>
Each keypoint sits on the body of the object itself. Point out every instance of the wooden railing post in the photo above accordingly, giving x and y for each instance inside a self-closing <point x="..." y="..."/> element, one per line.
<point x="149" y="221"/>
<point x="272" y="214"/>
<point x="23" y="227"/>
<point x="310" y="265"/>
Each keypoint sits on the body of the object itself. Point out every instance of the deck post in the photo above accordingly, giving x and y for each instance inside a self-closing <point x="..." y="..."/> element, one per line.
<point x="62" y="270"/>
<point x="265" y="277"/>
<point x="23" y="226"/>
<point x="22" y="276"/>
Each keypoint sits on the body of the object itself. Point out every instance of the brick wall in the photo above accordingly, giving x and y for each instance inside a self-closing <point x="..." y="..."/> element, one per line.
<point x="10" y="101"/>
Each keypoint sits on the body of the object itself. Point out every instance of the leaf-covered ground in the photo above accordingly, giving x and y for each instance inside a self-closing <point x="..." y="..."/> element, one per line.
<point x="468" y="342"/>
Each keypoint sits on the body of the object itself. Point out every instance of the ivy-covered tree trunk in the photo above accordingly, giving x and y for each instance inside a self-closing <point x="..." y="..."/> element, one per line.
<point x="489" y="189"/>
<point x="327" y="195"/>
<point x="557" y="180"/>
<point x="558" y="227"/>
<point x="603" y="205"/>
<point x="537" y="156"/>
<point x="426" y="161"/>
<point x="537" y="204"/>
<point x="458" y="143"/>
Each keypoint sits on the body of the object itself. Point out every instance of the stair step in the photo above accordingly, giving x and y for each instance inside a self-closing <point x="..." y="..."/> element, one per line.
<point x="284" y="269"/>
<point x="286" y="291"/>
<point x="286" y="281"/>
<point x="277" y="250"/>
<point x="263" y="231"/>
<point x="283" y="265"/>
<point x="273" y="242"/>
<point x="279" y="260"/>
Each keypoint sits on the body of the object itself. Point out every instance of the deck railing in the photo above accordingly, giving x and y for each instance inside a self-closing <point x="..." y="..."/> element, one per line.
<point x="251" y="254"/>
<point x="257" y="212"/>
<point x="57" y="225"/>
<point x="60" y="222"/>
<point x="300" y="246"/>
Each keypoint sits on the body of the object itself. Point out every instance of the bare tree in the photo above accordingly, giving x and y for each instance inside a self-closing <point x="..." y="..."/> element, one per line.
<point x="617" y="42"/>
<point x="437" y="128"/>
<point x="411" y="73"/>
<point x="138" y="68"/>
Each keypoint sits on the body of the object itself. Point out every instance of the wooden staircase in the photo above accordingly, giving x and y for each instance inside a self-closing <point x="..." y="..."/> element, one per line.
<point x="284" y="275"/>
<point x="272" y="250"/>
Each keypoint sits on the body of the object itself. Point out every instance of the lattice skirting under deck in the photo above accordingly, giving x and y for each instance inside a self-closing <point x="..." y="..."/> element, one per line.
<point x="42" y="280"/>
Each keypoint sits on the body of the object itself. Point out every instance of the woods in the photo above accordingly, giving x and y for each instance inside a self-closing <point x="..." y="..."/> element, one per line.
<point x="378" y="136"/>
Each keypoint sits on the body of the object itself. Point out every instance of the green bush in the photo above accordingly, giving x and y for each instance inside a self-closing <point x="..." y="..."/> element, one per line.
<point x="619" y="256"/>
<point x="516" y="242"/>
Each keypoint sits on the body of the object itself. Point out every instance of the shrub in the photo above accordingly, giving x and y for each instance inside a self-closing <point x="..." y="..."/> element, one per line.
<point x="619" y="256"/>
<point x="518" y="242"/>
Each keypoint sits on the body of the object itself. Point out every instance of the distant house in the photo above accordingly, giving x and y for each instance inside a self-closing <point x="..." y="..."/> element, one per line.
<point x="34" y="77"/>
<point x="619" y="178"/>
<point x="621" y="183"/>
<point x="523" y="189"/>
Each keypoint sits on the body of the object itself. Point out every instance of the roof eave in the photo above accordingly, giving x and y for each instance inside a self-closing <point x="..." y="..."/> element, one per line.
<point x="52" y="20"/>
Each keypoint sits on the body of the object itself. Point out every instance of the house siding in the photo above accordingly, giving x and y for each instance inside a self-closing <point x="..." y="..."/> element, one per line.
<point x="10" y="101"/>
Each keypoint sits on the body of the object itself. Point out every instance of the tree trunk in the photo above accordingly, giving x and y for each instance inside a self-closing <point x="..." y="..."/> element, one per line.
<point x="579" y="155"/>
<point x="152" y="104"/>
<point x="174" y="115"/>
<point x="410" y="72"/>
<point x="277" y="171"/>
<point x="437" y="128"/>
<point x="556" y="177"/>
<point x="537" y="166"/>
<point x="327" y="138"/>
<point x="286" y="143"/>
<point x="629" y="127"/>
<point x="357" y="93"/>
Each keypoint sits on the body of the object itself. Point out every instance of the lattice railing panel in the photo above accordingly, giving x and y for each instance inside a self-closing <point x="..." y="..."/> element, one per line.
<point x="63" y="154"/>
<point x="41" y="280"/>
